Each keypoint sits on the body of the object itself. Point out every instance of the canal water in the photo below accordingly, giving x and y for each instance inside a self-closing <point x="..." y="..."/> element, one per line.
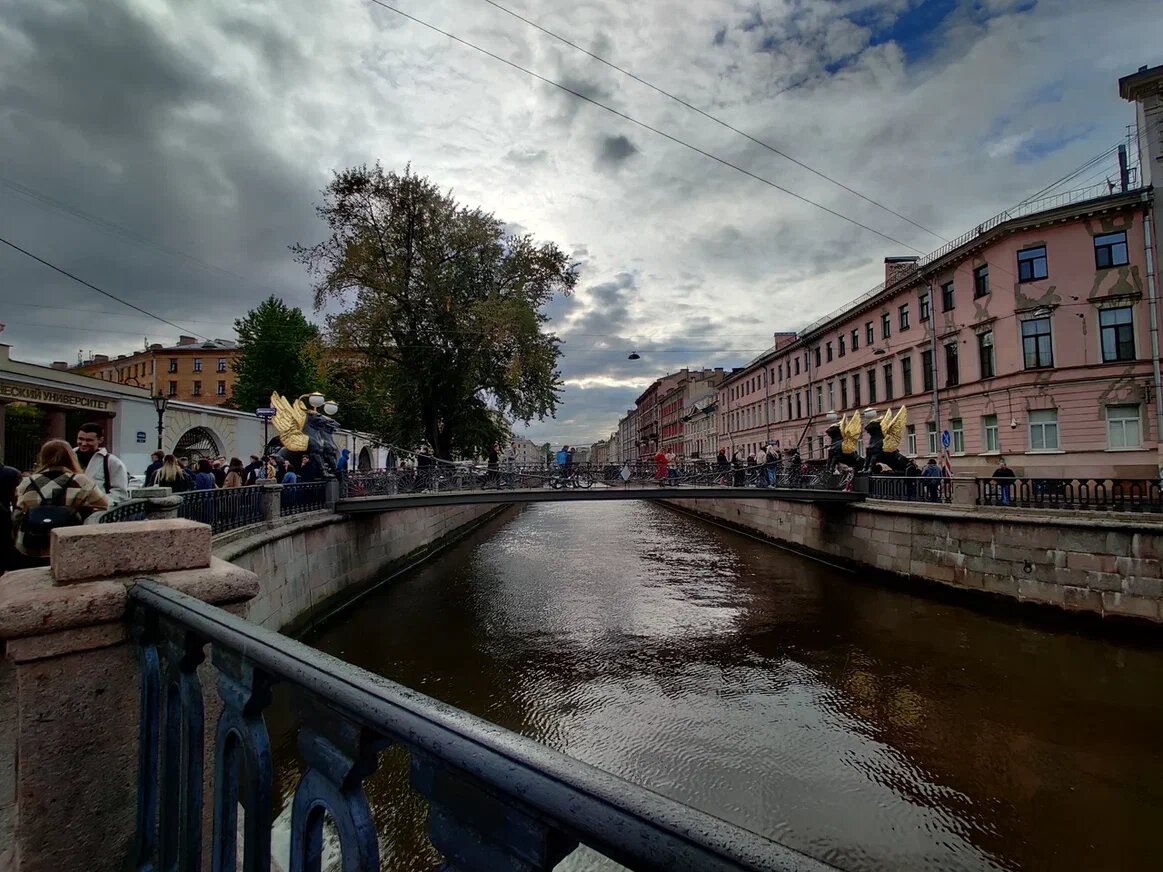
<point x="869" y="727"/>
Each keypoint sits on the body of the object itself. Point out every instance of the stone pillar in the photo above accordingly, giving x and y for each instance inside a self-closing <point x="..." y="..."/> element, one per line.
<point x="56" y="425"/>
<point x="272" y="500"/>
<point x="160" y="508"/>
<point x="69" y="686"/>
<point x="964" y="492"/>
<point x="332" y="494"/>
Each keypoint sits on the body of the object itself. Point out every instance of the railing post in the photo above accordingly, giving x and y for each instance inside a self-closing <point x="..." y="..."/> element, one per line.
<point x="160" y="508"/>
<point x="478" y="831"/>
<point x="271" y="500"/>
<point x="331" y="494"/>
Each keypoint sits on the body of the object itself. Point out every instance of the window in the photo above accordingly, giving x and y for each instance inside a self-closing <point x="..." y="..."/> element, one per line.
<point x="779" y="371"/>
<point x="1032" y="264"/>
<point x="817" y="350"/>
<point x="903" y="316"/>
<point x="819" y="398"/>
<point x="855" y="339"/>
<point x="799" y="407"/>
<point x="828" y="351"/>
<point x="840" y="345"/>
<point x="1044" y="430"/>
<point x="197" y="364"/>
<point x="869" y="333"/>
<point x="907" y="375"/>
<point x="923" y="305"/>
<point x="173" y="364"/>
<point x="1122" y="427"/>
<point x="831" y="396"/>
<point x="952" y="373"/>
<point x="221" y="388"/>
<point x="1110" y="249"/>
<point x="797" y="361"/>
<point x="989" y="426"/>
<point x="1036" y="350"/>
<point x="931" y="438"/>
<point x="985" y="353"/>
<point x="957" y="431"/>
<point x="222" y="364"/>
<point x="888" y="382"/>
<point x="885" y="325"/>
<point x="856" y="389"/>
<point x="927" y="370"/>
<point x="173" y="389"/>
<point x="980" y="281"/>
<point x="1118" y="334"/>
<point x="844" y="393"/>
<point x="947" y="297"/>
<point x="911" y="434"/>
<point x="197" y="389"/>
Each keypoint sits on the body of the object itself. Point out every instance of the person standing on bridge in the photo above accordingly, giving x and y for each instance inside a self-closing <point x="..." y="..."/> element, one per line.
<point x="493" y="478"/>
<point x="724" y="466"/>
<point x="660" y="465"/>
<point x="99" y="465"/>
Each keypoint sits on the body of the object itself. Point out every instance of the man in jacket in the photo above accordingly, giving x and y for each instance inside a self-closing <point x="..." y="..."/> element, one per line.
<point x="100" y="466"/>
<point x="155" y="464"/>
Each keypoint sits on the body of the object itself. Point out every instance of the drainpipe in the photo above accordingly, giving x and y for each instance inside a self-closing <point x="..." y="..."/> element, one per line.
<point x="933" y="368"/>
<point x="1152" y="309"/>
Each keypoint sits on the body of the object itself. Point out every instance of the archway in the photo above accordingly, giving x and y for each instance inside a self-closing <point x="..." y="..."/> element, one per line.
<point x="198" y="443"/>
<point x="364" y="463"/>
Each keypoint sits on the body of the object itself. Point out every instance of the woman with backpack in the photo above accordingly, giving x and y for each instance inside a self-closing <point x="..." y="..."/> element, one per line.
<point x="172" y="475"/>
<point x="55" y="496"/>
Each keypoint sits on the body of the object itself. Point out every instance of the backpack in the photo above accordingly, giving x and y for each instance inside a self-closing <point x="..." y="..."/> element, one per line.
<point x="40" y="521"/>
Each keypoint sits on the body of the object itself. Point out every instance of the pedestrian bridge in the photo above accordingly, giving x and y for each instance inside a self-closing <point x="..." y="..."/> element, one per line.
<point x="352" y="504"/>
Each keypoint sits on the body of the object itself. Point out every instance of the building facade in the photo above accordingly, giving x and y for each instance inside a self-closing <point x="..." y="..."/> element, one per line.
<point x="191" y="371"/>
<point x="627" y="434"/>
<point x="528" y="453"/>
<point x="659" y="411"/>
<point x="1028" y="338"/>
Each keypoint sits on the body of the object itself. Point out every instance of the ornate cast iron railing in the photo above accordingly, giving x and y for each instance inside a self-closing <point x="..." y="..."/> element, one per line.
<point x="223" y="508"/>
<point x="1079" y="494"/>
<point x="496" y="800"/>
<point x="306" y="496"/>
<point x="910" y="488"/>
<point x="130" y="510"/>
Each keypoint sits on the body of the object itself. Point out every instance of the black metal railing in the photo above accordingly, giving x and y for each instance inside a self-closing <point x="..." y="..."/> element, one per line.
<point x="305" y="496"/>
<point x="130" y="510"/>
<point x="1079" y="494"/>
<point x="911" y="488"/>
<point x="223" y="509"/>
<point x="496" y="800"/>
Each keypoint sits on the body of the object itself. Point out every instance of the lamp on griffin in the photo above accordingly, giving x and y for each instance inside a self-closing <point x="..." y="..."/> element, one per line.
<point x="330" y="408"/>
<point x="870" y="412"/>
<point x="316" y="400"/>
<point x="831" y="415"/>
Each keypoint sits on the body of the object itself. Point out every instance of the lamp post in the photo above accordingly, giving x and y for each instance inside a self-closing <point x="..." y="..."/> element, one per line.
<point x="160" y="401"/>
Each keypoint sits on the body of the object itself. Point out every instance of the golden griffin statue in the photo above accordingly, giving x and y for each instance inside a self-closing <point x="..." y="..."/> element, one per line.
<point x="885" y="437"/>
<point x="304" y="429"/>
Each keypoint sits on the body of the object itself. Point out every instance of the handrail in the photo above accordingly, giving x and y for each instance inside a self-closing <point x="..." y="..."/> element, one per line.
<point x="515" y="783"/>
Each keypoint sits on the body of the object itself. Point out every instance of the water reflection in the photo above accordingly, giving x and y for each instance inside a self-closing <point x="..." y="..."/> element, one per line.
<point x="867" y="727"/>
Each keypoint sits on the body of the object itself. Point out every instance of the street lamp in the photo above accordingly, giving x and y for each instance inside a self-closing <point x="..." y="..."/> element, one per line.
<point x="160" y="401"/>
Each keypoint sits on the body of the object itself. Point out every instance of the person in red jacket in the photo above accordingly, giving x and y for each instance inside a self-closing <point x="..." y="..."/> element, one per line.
<point x="660" y="465"/>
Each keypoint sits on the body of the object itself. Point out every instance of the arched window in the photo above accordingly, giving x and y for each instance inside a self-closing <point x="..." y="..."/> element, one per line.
<point x="197" y="443"/>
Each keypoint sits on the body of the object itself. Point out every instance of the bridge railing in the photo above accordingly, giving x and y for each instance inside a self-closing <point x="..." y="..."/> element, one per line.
<point x="910" y="488"/>
<point x="496" y="800"/>
<point x="1079" y="494"/>
<point x="130" y="510"/>
<point x="223" y="508"/>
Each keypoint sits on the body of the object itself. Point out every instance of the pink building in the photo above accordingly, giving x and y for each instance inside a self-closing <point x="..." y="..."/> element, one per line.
<point x="1029" y="338"/>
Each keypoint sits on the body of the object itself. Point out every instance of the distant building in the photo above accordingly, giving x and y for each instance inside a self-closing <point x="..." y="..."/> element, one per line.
<point x="660" y="403"/>
<point x="627" y="434"/>
<point x="598" y="453"/>
<point x="528" y="453"/>
<point x="581" y="453"/>
<point x="192" y="371"/>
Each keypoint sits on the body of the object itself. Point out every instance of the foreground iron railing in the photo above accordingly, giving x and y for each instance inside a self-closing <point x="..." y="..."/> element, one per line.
<point x="1115" y="495"/>
<point x="496" y="800"/>
<point x="307" y="496"/>
<point x="130" y="510"/>
<point x="906" y="488"/>
<point x="223" y="509"/>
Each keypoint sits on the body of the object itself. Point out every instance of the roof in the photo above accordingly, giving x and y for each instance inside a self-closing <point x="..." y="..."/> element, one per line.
<point x="1131" y="86"/>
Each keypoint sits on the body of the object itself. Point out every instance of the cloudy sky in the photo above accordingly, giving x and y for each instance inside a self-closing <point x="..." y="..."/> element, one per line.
<point x="169" y="151"/>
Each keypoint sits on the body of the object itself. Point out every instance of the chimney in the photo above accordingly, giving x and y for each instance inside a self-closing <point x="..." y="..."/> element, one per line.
<point x="100" y="358"/>
<point x="60" y="364"/>
<point x="897" y="268"/>
<point x="187" y="340"/>
<point x="782" y="340"/>
<point x="157" y="346"/>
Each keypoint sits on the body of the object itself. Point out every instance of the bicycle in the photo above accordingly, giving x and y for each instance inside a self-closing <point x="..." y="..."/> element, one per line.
<point x="574" y="478"/>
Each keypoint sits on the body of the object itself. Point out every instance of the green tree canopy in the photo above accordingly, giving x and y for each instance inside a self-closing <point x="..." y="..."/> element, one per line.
<point x="443" y="317"/>
<point x="278" y="346"/>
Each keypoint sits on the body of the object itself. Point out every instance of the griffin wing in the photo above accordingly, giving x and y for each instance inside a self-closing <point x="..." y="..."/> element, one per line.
<point x="850" y="430"/>
<point x="894" y="430"/>
<point x="288" y="420"/>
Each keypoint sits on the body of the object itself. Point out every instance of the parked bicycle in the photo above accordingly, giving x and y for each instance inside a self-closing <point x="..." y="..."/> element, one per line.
<point x="574" y="478"/>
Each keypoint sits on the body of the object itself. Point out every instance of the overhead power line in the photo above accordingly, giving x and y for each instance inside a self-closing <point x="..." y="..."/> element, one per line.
<point x="715" y="118"/>
<point x="644" y="125"/>
<point x="105" y="293"/>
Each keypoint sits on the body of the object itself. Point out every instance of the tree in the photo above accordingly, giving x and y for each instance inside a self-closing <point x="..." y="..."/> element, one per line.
<point x="278" y="350"/>
<point x="443" y="310"/>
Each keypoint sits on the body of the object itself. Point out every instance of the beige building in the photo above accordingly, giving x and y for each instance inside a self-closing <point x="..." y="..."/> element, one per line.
<point x="192" y="370"/>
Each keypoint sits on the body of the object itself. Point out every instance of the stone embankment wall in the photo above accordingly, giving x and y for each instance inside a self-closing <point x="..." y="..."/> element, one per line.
<point x="1090" y="562"/>
<point x="307" y="566"/>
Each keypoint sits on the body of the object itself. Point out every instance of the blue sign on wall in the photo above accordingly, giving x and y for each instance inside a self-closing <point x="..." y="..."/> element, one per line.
<point x="141" y="437"/>
<point x="944" y="438"/>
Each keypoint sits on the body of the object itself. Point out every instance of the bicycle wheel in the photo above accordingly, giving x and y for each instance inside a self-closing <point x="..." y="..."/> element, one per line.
<point x="556" y="482"/>
<point x="584" y="479"/>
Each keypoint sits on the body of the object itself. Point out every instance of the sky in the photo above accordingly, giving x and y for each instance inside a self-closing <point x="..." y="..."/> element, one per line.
<point x="170" y="152"/>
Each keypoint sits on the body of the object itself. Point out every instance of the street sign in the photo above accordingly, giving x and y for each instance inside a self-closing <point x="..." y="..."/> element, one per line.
<point x="265" y="412"/>
<point x="945" y="440"/>
<point x="625" y="473"/>
<point x="141" y="436"/>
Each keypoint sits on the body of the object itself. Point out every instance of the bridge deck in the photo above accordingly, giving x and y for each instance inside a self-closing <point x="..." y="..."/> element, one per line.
<point x="369" y="504"/>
